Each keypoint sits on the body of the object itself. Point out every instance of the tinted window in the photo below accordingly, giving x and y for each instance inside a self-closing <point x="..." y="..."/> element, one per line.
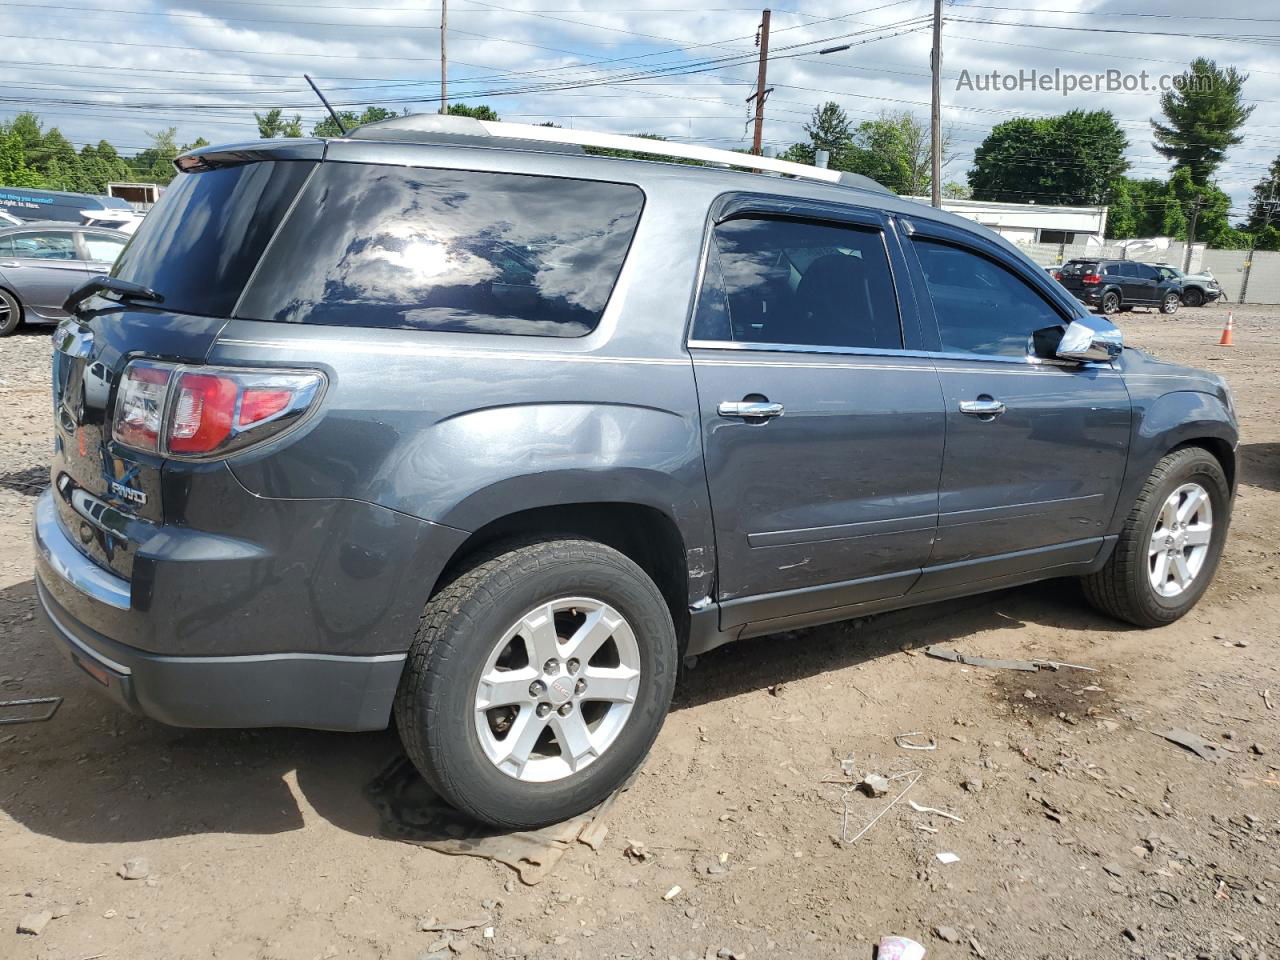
<point x="376" y="246"/>
<point x="982" y="307"/>
<point x="46" y="245"/>
<point x="1144" y="272"/>
<point x="1076" y="268"/>
<point x="791" y="282"/>
<point x="105" y="249"/>
<point x="199" y="244"/>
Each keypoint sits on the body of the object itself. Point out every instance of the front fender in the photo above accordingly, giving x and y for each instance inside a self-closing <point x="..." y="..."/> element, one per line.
<point x="1168" y="421"/>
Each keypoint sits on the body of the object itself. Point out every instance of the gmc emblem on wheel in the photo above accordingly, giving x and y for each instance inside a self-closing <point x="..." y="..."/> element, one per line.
<point x="128" y="493"/>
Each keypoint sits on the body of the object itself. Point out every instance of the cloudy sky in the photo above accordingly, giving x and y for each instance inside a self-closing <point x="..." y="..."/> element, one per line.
<point x="117" y="69"/>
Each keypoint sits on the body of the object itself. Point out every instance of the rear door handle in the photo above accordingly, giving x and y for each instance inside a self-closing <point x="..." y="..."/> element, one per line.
<point x="750" y="409"/>
<point x="984" y="406"/>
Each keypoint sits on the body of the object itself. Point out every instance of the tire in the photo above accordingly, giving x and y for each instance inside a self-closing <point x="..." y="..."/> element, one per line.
<point x="1110" y="302"/>
<point x="1124" y="588"/>
<point x="10" y="313"/>
<point x="450" y="736"/>
<point x="1193" y="298"/>
<point x="1170" y="303"/>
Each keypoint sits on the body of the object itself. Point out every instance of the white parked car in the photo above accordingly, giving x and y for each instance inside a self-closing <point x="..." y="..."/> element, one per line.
<point x="126" y="221"/>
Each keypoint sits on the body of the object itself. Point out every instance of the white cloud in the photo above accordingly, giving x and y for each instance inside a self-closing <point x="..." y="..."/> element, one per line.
<point x="122" y="74"/>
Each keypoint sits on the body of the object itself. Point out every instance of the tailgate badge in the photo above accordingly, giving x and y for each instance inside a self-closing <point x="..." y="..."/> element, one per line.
<point x="128" y="493"/>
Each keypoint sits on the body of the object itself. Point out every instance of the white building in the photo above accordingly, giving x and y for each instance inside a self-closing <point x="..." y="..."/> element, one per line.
<point x="1033" y="223"/>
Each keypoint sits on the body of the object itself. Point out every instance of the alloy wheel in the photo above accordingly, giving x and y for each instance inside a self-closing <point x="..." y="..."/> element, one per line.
<point x="1180" y="541"/>
<point x="557" y="689"/>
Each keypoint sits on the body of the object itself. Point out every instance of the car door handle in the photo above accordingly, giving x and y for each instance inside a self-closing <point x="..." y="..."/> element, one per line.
<point x="10" y="264"/>
<point x="982" y="407"/>
<point x="750" y="409"/>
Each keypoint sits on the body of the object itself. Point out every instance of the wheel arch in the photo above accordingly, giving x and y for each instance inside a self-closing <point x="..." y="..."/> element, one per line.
<point x="647" y="535"/>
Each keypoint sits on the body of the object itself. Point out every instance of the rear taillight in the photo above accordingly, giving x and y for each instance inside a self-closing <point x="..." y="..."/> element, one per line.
<point x="1090" y="279"/>
<point x="178" y="411"/>
<point x="1057" y="274"/>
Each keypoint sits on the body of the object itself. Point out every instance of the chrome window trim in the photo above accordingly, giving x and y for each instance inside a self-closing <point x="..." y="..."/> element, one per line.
<point x="1028" y="360"/>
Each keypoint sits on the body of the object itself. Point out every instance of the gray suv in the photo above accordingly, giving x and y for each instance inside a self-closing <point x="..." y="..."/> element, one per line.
<point x="486" y="434"/>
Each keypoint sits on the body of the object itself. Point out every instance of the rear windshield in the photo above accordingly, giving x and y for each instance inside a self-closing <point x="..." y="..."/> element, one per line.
<point x="198" y="245"/>
<point x="426" y="249"/>
<point x="1076" y="267"/>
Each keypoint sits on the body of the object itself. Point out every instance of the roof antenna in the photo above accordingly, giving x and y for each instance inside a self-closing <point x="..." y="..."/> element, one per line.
<point x="333" y="113"/>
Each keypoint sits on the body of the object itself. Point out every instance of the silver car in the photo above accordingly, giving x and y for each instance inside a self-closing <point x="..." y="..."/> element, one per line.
<point x="42" y="262"/>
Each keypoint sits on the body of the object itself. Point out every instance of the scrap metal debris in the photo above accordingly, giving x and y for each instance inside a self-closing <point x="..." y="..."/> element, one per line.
<point x="19" y="705"/>
<point x="915" y="775"/>
<point x="904" y="741"/>
<point x="1196" y="744"/>
<point x="942" y="813"/>
<point x="1027" y="666"/>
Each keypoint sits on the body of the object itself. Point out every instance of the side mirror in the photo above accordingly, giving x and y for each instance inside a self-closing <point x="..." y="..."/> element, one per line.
<point x="1085" y="343"/>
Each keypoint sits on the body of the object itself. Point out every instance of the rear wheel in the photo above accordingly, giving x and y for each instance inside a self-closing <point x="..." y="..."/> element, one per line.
<point x="1110" y="302"/>
<point x="10" y="313"/>
<point x="1193" y="297"/>
<point x="1170" y="303"/>
<point x="537" y="682"/>
<point x="1170" y="545"/>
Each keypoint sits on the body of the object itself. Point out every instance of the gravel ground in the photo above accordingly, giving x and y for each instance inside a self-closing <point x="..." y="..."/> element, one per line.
<point x="1081" y="833"/>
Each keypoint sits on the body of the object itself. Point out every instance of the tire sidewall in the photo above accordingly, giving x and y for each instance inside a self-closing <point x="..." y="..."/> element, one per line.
<point x="13" y="320"/>
<point x="1204" y="470"/>
<point x="1170" y="304"/>
<point x="1193" y="298"/>
<point x="1110" y="303"/>
<point x="460" y="762"/>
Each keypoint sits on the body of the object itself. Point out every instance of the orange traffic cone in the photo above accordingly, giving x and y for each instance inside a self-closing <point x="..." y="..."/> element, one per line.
<point x="1226" y="333"/>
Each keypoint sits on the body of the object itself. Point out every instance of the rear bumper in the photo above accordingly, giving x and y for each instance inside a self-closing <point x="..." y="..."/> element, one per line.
<point x="275" y="689"/>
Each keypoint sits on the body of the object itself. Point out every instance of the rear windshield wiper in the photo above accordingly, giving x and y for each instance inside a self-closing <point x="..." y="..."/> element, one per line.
<point x="123" y="290"/>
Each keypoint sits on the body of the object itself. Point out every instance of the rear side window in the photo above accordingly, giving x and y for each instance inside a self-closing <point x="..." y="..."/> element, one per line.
<point x="198" y="245"/>
<point x="1078" y="268"/>
<point x="798" y="283"/>
<point x="456" y="250"/>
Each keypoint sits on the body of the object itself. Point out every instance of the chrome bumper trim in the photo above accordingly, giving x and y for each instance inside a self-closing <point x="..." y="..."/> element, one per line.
<point x="69" y="563"/>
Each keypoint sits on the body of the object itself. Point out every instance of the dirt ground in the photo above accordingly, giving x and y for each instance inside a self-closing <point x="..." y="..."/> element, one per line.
<point x="1081" y="833"/>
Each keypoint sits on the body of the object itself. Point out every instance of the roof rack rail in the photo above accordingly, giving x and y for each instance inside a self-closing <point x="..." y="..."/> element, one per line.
<point x="433" y="127"/>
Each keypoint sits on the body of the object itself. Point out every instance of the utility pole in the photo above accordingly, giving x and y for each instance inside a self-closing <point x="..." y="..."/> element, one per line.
<point x="935" y="123"/>
<point x="762" y="40"/>
<point x="1191" y="232"/>
<point x="1268" y="211"/>
<point x="444" y="57"/>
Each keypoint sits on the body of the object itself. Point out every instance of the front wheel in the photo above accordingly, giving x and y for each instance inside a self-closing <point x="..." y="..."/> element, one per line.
<point x="1170" y="303"/>
<point x="1170" y="544"/>
<point x="538" y="680"/>
<point x="1193" y="298"/>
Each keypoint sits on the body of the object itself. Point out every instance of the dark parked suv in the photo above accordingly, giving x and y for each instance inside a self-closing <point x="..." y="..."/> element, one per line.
<point x="1111" y="285"/>
<point x="488" y="433"/>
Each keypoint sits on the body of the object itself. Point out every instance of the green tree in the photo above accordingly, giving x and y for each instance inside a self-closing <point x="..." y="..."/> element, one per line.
<point x="1202" y="118"/>
<point x="480" y="111"/>
<point x="14" y="171"/>
<point x="632" y="155"/>
<point x="273" y="124"/>
<point x="1074" y="158"/>
<point x="351" y="120"/>
<point x="1264" y="204"/>
<point x="155" y="164"/>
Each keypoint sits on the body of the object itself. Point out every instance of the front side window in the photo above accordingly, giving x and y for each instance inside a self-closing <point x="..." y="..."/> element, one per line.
<point x="798" y="283"/>
<point x="981" y="306"/>
<point x="46" y="245"/>
<point x="451" y="250"/>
